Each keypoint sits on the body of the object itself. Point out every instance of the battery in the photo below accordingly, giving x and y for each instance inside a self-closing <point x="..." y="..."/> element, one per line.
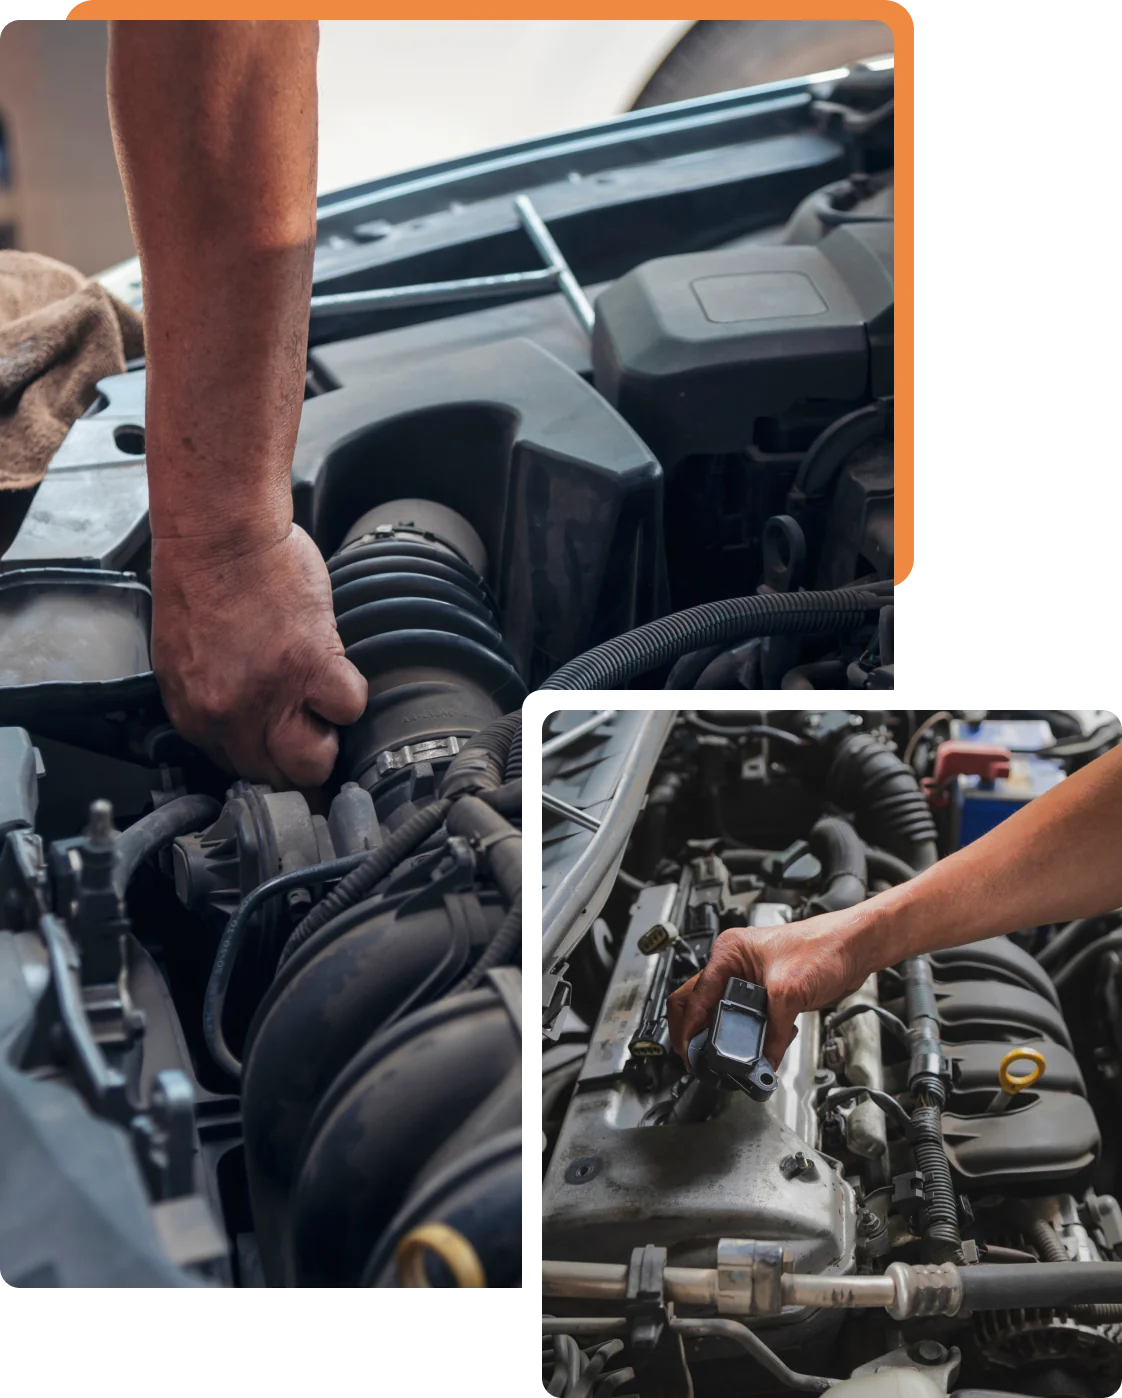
<point x="977" y="805"/>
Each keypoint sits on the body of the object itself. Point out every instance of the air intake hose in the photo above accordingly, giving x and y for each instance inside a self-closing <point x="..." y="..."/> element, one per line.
<point x="418" y="620"/>
<point x="867" y="778"/>
<point x="841" y="852"/>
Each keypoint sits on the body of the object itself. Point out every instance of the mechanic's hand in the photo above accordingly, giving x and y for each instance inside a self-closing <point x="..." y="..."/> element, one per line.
<point x="803" y="965"/>
<point x="248" y="659"/>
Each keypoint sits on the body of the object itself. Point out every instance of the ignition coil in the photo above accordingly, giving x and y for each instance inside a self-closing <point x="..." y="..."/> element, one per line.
<point x="730" y="1054"/>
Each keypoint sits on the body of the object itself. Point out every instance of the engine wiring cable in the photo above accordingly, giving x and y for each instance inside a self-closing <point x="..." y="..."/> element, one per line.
<point x="942" y="716"/>
<point x="748" y="730"/>
<point x="214" y="1002"/>
<point x="477" y="769"/>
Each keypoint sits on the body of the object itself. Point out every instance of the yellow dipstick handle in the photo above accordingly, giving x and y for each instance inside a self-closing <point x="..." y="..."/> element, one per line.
<point x="1012" y="1083"/>
<point x="448" y="1244"/>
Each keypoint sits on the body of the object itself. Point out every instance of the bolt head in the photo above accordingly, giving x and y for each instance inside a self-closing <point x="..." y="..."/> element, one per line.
<point x="929" y="1352"/>
<point x="100" y="825"/>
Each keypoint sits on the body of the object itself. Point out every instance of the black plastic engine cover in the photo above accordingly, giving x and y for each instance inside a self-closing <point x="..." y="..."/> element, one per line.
<point x="74" y="652"/>
<point x="693" y="350"/>
<point x="566" y="499"/>
<point x="1044" y="1141"/>
<point x="995" y="958"/>
<point x="992" y="996"/>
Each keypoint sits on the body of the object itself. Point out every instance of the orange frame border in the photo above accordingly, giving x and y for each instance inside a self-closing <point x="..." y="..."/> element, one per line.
<point x="887" y="11"/>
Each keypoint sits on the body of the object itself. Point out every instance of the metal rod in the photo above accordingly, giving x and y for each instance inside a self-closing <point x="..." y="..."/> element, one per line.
<point x="551" y="254"/>
<point x="697" y="1286"/>
<point x="692" y="1286"/>
<point x="571" y="735"/>
<point x="562" y="808"/>
<point x="607" y="1281"/>
<point x="584" y="1325"/>
<point x="590" y="1281"/>
<point x="803" y="1290"/>
<point x="763" y="1354"/>
<point x="434" y="293"/>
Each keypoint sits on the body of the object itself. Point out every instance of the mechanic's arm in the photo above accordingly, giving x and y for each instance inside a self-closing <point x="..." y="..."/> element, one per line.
<point x="1054" y="860"/>
<point x="215" y="128"/>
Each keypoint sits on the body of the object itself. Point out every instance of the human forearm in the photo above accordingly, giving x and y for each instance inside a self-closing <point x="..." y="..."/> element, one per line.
<point x="215" y="127"/>
<point x="1056" y="859"/>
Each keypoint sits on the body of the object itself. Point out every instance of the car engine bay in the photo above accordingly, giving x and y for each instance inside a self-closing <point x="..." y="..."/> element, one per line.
<point x="922" y="1197"/>
<point x="649" y="363"/>
<point x="253" y="1037"/>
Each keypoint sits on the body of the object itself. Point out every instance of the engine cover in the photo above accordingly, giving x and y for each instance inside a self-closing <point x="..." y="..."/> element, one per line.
<point x="614" y="1183"/>
<point x="693" y="350"/>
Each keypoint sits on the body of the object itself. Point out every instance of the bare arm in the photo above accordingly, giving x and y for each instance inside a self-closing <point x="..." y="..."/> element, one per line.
<point x="215" y="129"/>
<point x="1055" y="859"/>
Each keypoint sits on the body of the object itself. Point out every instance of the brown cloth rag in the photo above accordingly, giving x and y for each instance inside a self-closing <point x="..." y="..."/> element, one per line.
<point x="59" y="334"/>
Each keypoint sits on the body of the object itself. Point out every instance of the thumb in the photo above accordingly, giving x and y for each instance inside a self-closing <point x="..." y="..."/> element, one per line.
<point x="699" y="997"/>
<point x="338" y="693"/>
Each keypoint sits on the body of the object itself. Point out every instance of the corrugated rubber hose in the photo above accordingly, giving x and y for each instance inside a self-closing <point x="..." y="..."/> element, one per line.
<point x="890" y="810"/>
<point x="614" y="663"/>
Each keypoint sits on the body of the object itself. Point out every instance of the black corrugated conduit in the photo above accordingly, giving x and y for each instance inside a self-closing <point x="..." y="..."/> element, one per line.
<point x="615" y="663"/>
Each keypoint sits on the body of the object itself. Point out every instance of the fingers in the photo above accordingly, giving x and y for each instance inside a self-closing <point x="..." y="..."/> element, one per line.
<point x="698" y="998"/>
<point x="303" y="748"/>
<point x="675" y="1016"/>
<point x="339" y="692"/>
<point x="781" y="1030"/>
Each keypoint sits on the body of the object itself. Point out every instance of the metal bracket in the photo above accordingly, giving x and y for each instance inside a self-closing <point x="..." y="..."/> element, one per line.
<point x="164" y="1136"/>
<point x="433" y="750"/>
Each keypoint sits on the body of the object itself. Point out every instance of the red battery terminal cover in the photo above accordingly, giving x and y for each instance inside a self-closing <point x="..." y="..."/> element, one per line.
<point x="956" y="759"/>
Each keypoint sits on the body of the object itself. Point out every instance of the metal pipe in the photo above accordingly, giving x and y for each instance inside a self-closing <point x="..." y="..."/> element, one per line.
<point x="435" y="293"/>
<point x="834" y="1291"/>
<point x="571" y="735"/>
<point x="761" y="1353"/>
<point x="584" y="1325"/>
<point x="897" y="1290"/>
<point x="692" y="1286"/>
<point x="551" y="254"/>
<point x="573" y="813"/>
<point x="884" y="1101"/>
<point x="588" y="1281"/>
